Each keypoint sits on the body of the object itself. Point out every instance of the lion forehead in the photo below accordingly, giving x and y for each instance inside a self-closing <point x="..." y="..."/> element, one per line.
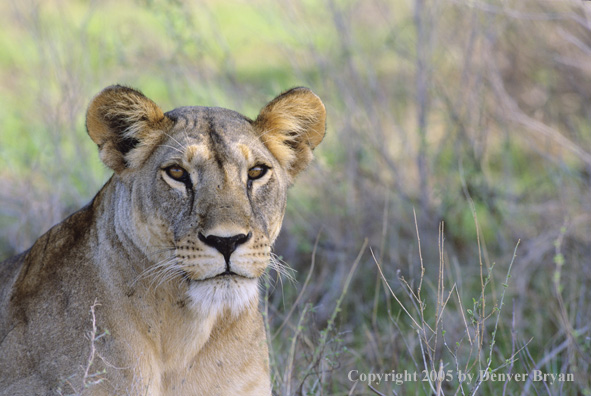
<point x="205" y="119"/>
<point x="203" y="134"/>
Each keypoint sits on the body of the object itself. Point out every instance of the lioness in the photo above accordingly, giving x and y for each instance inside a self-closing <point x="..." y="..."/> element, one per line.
<point x="169" y="254"/>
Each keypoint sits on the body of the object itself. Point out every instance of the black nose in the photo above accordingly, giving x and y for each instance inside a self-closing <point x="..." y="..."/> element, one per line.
<point x="225" y="245"/>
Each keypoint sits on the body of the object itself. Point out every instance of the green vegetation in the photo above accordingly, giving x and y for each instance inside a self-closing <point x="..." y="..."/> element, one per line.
<point x="472" y="114"/>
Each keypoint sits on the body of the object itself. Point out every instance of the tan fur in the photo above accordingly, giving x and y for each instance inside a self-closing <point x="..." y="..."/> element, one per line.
<point x="138" y="116"/>
<point x="292" y="128"/>
<point x="181" y="319"/>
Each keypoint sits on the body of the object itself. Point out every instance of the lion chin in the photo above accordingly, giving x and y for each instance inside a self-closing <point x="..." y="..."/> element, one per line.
<point x="223" y="295"/>
<point x="167" y="256"/>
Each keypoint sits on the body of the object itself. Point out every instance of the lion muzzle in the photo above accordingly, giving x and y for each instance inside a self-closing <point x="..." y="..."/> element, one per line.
<point x="225" y="245"/>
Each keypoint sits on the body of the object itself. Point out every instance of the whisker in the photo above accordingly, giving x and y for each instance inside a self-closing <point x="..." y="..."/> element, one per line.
<point x="154" y="270"/>
<point x="162" y="278"/>
<point x="185" y="133"/>
<point x="282" y="268"/>
<point x="172" y="147"/>
<point x="177" y="142"/>
<point x="171" y="273"/>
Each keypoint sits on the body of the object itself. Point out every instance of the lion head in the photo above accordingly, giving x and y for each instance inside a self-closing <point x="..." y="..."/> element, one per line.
<point x="202" y="190"/>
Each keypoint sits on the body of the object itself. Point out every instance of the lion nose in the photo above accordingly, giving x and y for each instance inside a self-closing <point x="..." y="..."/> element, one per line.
<point x="225" y="245"/>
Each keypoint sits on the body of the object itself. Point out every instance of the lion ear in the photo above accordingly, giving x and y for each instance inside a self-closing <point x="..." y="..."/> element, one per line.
<point x="291" y="126"/>
<point x="125" y="125"/>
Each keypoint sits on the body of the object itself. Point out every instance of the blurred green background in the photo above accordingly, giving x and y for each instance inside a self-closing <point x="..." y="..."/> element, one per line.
<point x="455" y="129"/>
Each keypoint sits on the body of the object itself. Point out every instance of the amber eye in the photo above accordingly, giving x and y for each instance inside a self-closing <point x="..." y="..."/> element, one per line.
<point x="177" y="173"/>
<point x="256" y="172"/>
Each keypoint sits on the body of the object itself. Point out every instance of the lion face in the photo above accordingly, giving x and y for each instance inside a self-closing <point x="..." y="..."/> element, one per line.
<point x="204" y="188"/>
<point x="216" y="198"/>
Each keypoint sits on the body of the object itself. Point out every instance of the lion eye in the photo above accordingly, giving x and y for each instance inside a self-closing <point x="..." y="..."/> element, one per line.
<point x="256" y="172"/>
<point x="177" y="173"/>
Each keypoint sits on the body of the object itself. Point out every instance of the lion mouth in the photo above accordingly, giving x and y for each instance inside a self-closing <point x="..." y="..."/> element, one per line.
<point x="225" y="273"/>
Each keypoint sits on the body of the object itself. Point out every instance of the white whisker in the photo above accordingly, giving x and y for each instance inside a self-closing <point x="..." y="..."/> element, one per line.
<point x="160" y="272"/>
<point x="172" y="147"/>
<point x="177" y="142"/>
<point x="282" y="268"/>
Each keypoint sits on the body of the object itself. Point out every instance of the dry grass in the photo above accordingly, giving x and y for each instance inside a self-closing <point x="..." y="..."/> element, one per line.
<point x="78" y="385"/>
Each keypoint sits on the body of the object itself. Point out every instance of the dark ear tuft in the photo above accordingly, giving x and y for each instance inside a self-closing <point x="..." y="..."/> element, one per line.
<point x="126" y="144"/>
<point x="291" y="126"/>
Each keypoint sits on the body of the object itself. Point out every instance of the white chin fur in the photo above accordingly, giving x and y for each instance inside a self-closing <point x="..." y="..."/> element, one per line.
<point x="223" y="295"/>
